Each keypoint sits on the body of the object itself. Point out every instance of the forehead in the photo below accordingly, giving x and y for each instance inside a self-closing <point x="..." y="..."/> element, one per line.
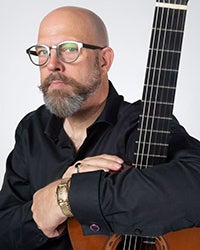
<point x="65" y="26"/>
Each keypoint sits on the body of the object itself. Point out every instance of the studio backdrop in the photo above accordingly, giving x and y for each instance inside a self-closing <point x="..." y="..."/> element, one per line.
<point x="129" y="24"/>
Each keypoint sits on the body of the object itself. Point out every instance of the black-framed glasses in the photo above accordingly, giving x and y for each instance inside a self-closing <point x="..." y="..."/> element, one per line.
<point x="67" y="51"/>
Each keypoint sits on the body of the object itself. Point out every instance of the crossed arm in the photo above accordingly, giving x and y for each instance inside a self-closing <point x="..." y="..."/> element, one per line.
<point x="46" y="212"/>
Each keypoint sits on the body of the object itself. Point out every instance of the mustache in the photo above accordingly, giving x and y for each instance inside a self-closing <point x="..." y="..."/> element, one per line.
<point x="55" y="77"/>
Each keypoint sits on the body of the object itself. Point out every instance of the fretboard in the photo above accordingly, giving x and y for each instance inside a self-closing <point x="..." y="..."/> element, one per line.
<point x="160" y="82"/>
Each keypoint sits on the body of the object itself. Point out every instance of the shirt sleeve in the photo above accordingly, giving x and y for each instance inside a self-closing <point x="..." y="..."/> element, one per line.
<point x="147" y="202"/>
<point x="17" y="227"/>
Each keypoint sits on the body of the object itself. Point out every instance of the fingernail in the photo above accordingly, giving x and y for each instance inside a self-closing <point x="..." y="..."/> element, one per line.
<point x="120" y="161"/>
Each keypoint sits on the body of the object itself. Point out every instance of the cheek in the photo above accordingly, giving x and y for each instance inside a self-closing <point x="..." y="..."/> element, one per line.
<point x="43" y="74"/>
<point x="81" y="71"/>
<point x="87" y="66"/>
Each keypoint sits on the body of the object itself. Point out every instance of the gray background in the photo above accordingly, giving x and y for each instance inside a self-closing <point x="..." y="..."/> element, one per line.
<point x="129" y="24"/>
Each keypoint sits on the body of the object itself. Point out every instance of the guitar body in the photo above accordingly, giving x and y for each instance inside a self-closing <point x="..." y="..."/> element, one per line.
<point x="186" y="239"/>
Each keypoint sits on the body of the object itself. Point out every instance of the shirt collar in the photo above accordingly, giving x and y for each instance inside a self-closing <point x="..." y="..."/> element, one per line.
<point x="108" y="115"/>
<point x="111" y="109"/>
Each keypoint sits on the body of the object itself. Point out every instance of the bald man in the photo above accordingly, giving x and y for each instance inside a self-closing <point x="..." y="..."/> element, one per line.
<point x="69" y="155"/>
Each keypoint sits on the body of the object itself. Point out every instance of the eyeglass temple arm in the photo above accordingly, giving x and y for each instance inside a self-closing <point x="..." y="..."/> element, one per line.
<point x="31" y="52"/>
<point x="89" y="46"/>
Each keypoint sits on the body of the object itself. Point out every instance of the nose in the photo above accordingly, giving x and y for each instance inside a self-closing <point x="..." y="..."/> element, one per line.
<point x="54" y="63"/>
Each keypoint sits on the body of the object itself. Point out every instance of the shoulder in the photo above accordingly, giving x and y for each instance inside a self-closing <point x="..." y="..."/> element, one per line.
<point x="37" y="118"/>
<point x="129" y="110"/>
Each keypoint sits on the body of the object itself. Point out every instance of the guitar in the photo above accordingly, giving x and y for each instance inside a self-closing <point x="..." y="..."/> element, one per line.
<point x="152" y="144"/>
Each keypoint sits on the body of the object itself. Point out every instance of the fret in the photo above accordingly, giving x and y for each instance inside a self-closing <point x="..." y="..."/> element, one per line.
<point x="152" y="143"/>
<point x="153" y="155"/>
<point x="169" y="30"/>
<point x="155" y="135"/>
<point x="168" y="70"/>
<point x="160" y="103"/>
<point x="165" y="50"/>
<point x="153" y="131"/>
<point x="151" y="85"/>
<point x="141" y="166"/>
<point x="156" y="117"/>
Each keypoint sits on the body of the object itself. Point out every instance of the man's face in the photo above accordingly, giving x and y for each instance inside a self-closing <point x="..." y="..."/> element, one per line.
<point x="67" y="86"/>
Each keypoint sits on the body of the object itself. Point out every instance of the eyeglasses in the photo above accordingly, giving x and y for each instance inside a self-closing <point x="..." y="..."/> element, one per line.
<point x="67" y="52"/>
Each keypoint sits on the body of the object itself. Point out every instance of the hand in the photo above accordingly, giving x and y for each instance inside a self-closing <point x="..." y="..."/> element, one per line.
<point x="46" y="212"/>
<point x="103" y="162"/>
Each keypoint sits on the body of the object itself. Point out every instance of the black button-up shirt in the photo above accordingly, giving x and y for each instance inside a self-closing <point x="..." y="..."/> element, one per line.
<point x="108" y="202"/>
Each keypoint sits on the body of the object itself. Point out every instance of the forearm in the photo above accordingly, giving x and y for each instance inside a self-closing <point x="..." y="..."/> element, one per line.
<point x="149" y="202"/>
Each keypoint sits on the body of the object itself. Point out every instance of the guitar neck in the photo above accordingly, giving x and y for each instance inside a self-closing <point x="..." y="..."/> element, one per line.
<point x="160" y="82"/>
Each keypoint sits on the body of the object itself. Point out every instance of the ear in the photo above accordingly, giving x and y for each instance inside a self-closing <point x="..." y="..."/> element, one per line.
<point x="106" y="57"/>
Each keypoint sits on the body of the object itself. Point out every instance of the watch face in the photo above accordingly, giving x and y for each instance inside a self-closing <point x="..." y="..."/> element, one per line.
<point x="62" y="193"/>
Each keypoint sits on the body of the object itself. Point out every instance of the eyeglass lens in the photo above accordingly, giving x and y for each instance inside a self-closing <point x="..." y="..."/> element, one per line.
<point x="67" y="52"/>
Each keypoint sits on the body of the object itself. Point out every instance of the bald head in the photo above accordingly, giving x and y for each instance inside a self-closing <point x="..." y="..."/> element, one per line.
<point x="74" y="23"/>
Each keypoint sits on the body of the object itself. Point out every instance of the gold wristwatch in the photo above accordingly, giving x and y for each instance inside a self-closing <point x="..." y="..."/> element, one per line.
<point x="62" y="197"/>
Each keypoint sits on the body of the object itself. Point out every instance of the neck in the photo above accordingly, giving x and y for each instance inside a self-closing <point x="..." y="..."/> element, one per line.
<point x="76" y="125"/>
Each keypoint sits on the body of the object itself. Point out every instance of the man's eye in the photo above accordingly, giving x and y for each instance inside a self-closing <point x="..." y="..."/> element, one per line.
<point x="71" y="49"/>
<point x="43" y="52"/>
<point x="68" y="47"/>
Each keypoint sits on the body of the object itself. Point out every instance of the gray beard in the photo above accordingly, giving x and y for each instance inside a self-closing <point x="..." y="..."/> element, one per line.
<point x="63" y="106"/>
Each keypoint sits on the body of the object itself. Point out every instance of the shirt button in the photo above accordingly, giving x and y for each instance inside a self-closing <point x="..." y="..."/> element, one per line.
<point x="137" y="231"/>
<point x="94" y="227"/>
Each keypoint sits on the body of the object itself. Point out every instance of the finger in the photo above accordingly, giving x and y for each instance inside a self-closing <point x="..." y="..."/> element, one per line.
<point x="89" y="168"/>
<point x="114" y="158"/>
<point x="101" y="162"/>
